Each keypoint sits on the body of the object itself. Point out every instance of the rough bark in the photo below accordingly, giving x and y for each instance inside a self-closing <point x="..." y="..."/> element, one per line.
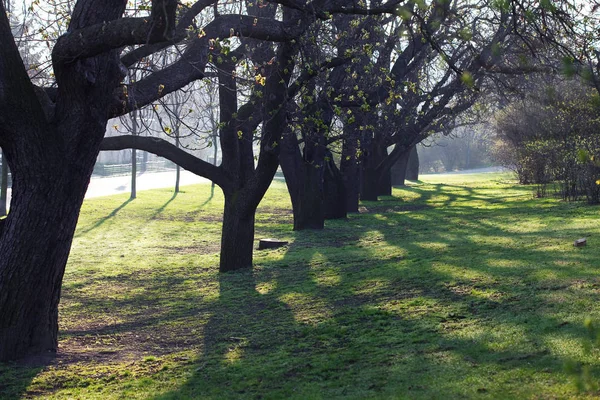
<point x="305" y="185"/>
<point x="306" y="181"/>
<point x="237" y="238"/>
<point x="51" y="149"/>
<point x="32" y="264"/>
<point x="250" y="183"/>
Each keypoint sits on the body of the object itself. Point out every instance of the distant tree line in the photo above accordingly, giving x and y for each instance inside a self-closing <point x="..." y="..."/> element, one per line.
<point x="552" y="135"/>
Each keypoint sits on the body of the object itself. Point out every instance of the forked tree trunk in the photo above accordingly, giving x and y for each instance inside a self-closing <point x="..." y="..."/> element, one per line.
<point x="35" y="245"/>
<point x="237" y="238"/>
<point x="305" y="185"/>
<point x="51" y="151"/>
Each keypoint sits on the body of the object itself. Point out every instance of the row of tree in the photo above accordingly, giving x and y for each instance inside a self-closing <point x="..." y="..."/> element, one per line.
<point x="300" y="83"/>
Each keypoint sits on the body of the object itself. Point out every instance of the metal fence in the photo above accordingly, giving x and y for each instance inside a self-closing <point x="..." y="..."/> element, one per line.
<point x="125" y="169"/>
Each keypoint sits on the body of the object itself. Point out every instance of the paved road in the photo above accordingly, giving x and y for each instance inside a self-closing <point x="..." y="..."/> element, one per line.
<point x="472" y="171"/>
<point x="156" y="180"/>
<point x="148" y="180"/>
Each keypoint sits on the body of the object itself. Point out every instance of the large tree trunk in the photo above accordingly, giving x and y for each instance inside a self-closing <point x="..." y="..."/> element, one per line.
<point x="309" y="213"/>
<point x="305" y="185"/>
<point x="375" y="182"/>
<point x="350" y="166"/>
<point x="384" y="185"/>
<point x="400" y="168"/>
<point x="51" y="146"/>
<point x="369" y="188"/>
<point x="35" y="245"/>
<point x="334" y="191"/>
<point x="237" y="239"/>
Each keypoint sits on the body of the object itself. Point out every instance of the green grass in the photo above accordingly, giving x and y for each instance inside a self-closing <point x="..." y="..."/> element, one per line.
<point x="458" y="286"/>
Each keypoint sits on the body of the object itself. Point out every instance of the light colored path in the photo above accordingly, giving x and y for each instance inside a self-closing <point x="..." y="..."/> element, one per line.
<point x="145" y="181"/>
<point x="156" y="180"/>
<point x="472" y="171"/>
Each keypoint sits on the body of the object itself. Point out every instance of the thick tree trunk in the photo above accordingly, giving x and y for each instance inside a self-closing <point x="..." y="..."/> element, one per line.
<point x="237" y="239"/>
<point x="309" y="212"/>
<point x="35" y="245"/>
<point x="305" y="185"/>
<point x="369" y="189"/>
<point x="3" y="186"/>
<point x="52" y="150"/>
<point x="374" y="181"/>
<point x="412" y="169"/>
<point x="400" y="168"/>
<point x="384" y="185"/>
<point x="334" y="202"/>
<point x="350" y="168"/>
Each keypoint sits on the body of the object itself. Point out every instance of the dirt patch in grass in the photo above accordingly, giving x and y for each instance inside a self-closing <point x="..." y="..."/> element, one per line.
<point x="201" y="248"/>
<point x="383" y="209"/>
<point x="274" y="215"/>
<point x="190" y="217"/>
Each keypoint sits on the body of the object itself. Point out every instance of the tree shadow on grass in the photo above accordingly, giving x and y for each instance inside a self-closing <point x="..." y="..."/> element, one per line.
<point x="245" y="324"/>
<point x="438" y="314"/>
<point x="15" y="377"/>
<point x="324" y="329"/>
<point x="387" y="307"/>
<point x="100" y="222"/>
<point x="212" y="194"/>
<point x="163" y="207"/>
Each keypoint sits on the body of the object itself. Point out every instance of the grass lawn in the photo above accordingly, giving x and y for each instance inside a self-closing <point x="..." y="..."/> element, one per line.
<point x="458" y="286"/>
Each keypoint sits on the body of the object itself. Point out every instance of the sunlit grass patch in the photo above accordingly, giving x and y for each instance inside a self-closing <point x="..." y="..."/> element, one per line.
<point x="458" y="286"/>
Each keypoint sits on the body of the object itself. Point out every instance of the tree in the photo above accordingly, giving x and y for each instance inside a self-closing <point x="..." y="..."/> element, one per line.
<point x="244" y="177"/>
<point x="51" y="137"/>
<point x="552" y="136"/>
<point x="50" y="142"/>
<point x="313" y="179"/>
